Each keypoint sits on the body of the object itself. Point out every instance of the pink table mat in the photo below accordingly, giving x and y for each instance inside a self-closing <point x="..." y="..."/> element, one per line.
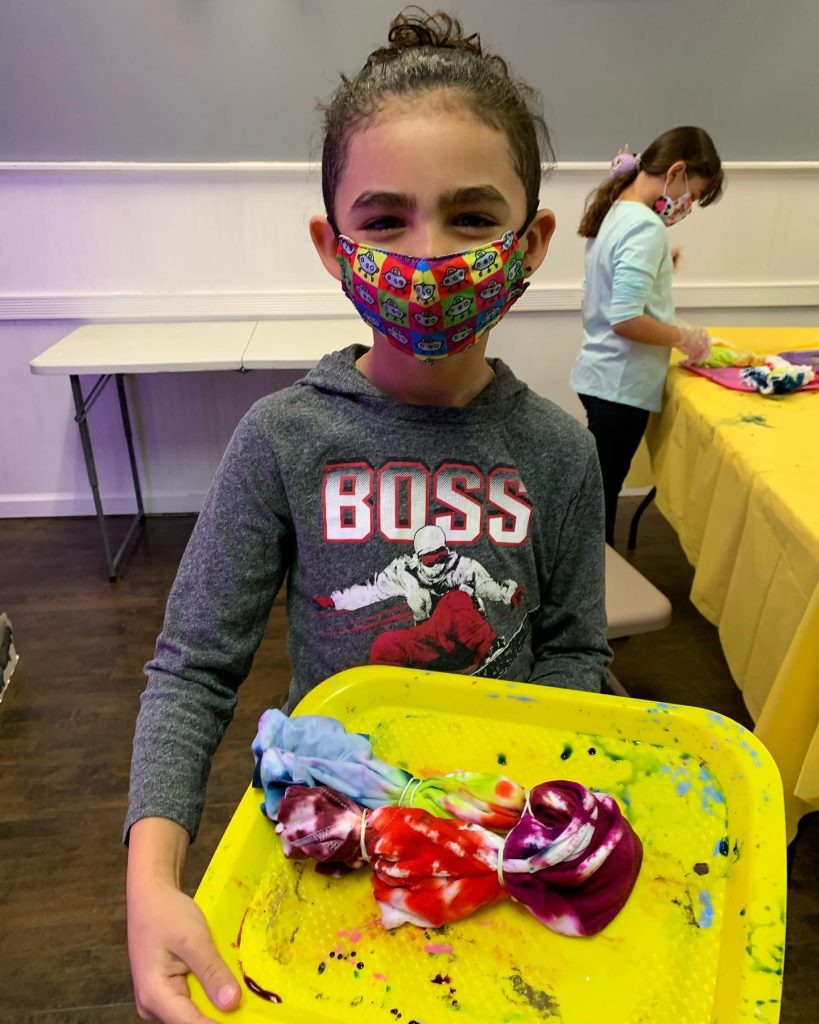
<point x="731" y="377"/>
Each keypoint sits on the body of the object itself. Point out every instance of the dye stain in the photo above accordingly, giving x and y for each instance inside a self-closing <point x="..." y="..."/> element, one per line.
<point x="262" y="993"/>
<point x="501" y="758"/>
<point x="546" y="1005"/>
<point x="706" y="918"/>
<point x="322" y="967"/>
<point x="592" y="751"/>
<point x="701" y="869"/>
<point x="688" y="911"/>
<point x="566" y="753"/>
<point x="724" y="846"/>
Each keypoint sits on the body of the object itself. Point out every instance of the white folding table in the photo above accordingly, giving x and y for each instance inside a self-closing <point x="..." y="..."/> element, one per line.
<point x="113" y="350"/>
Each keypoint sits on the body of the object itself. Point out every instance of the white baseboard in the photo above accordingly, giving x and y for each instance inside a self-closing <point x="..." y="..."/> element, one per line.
<point x="36" y="506"/>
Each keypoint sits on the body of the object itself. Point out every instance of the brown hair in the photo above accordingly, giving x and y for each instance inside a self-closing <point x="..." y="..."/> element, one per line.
<point x="427" y="52"/>
<point x="692" y="145"/>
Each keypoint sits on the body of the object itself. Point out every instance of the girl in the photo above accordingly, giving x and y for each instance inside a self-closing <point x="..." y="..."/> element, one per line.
<point x="426" y="507"/>
<point x="628" y="309"/>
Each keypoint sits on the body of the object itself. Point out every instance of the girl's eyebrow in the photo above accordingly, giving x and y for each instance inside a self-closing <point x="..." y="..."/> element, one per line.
<point x="467" y="196"/>
<point x="400" y="200"/>
<point x="472" y="195"/>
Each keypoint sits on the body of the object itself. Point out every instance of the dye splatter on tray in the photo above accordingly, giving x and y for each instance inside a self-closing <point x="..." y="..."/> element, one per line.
<point x="701" y="939"/>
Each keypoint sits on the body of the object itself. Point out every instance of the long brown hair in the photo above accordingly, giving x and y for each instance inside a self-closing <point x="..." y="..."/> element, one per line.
<point x="692" y="145"/>
<point x="427" y="52"/>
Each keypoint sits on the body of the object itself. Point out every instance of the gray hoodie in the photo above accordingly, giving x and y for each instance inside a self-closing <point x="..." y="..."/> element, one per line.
<point x="454" y="539"/>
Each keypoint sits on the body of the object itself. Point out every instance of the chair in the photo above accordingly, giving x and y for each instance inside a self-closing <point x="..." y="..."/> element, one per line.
<point x="633" y="605"/>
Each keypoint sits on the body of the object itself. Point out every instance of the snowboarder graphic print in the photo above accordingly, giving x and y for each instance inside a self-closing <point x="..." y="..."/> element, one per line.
<point x="435" y="605"/>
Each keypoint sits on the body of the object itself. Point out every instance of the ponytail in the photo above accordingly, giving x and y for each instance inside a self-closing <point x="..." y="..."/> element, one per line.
<point x="600" y="201"/>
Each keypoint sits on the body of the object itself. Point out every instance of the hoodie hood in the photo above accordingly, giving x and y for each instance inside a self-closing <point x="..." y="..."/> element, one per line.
<point x="337" y="374"/>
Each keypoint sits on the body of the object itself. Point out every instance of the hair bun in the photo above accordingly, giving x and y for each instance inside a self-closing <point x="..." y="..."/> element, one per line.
<point x="414" y="27"/>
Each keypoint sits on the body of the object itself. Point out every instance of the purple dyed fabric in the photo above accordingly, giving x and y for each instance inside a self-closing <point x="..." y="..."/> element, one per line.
<point x="573" y="861"/>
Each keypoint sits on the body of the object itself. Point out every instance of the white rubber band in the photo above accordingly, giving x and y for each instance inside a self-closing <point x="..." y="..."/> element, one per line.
<point x="500" y="861"/>
<point x="404" y="792"/>
<point x="362" y="844"/>
<point x="527" y="807"/>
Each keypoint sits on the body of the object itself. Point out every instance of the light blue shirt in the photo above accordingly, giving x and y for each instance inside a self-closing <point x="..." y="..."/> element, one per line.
<point x="628" y="273"/>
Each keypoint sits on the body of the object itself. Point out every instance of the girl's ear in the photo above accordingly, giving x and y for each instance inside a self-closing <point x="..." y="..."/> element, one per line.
<point x="536" y="240"/>
<point x="675" y="170"/>
<point x="326" y="243"/>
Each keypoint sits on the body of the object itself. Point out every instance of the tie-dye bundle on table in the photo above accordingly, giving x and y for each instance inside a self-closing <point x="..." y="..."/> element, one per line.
<point x="569" y="856"/>
<point x="777" y="376"/>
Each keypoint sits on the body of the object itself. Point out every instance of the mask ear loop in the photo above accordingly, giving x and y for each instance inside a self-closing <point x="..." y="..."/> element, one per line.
<point x="530" y="216"/>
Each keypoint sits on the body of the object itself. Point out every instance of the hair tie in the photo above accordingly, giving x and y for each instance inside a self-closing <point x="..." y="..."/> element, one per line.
<point x="624" y="164"/>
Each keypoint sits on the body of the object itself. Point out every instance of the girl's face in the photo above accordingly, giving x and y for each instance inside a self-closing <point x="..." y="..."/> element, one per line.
<point x="427" y="179"/>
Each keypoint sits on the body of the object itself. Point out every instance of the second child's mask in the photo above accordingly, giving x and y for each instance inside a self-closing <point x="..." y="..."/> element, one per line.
<point x="672" y="211"/>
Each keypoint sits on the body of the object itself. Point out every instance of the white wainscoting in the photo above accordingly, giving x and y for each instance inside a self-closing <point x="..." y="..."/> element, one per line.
<point x="83" y="242"/>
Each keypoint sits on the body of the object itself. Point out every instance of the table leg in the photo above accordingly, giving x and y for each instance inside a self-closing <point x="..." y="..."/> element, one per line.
<point x="82" y="405"/>
<point x="635" y="519"/>
<point x="129" y="439"/>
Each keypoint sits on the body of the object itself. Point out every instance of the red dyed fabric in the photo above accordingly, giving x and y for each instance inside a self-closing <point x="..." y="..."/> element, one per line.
<point x="426" y="870"/>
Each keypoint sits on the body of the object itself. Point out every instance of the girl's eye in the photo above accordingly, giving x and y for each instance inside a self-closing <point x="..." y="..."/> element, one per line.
<point x="473" y="220"/>
<point x="386" y="223"/>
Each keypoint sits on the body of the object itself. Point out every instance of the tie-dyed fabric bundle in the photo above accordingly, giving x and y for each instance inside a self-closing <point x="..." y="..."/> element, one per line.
<point x="316" y="750"/>
<point x="571" y="859"/>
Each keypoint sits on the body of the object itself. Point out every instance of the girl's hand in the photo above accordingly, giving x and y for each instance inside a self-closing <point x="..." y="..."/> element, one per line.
<point x="167" y="937"/>
<point x="695" y="342"/>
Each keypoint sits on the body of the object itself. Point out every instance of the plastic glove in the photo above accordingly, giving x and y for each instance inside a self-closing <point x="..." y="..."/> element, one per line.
<point x="695" y="342"/>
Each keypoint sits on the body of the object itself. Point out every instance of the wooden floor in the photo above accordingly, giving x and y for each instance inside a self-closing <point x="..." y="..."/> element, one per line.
<point x="65" y="735"/>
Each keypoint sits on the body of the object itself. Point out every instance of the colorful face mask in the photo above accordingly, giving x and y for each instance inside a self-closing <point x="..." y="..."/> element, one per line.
<point x="432" y="307"/>
<point x="672" y="211"/>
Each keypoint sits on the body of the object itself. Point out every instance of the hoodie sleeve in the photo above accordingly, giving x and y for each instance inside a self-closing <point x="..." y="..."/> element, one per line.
<point x="569" y="639"/>
<point x="218" y="607"/>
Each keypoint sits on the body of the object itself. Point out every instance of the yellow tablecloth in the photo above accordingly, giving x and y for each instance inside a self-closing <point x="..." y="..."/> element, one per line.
<point x="737" y="476"/>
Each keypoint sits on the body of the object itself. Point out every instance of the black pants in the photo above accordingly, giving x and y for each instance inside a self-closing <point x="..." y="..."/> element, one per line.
<point x="617" y="431"/>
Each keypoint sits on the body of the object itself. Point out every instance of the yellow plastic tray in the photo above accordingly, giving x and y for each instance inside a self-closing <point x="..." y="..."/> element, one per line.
<point x="701" y="940"/>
